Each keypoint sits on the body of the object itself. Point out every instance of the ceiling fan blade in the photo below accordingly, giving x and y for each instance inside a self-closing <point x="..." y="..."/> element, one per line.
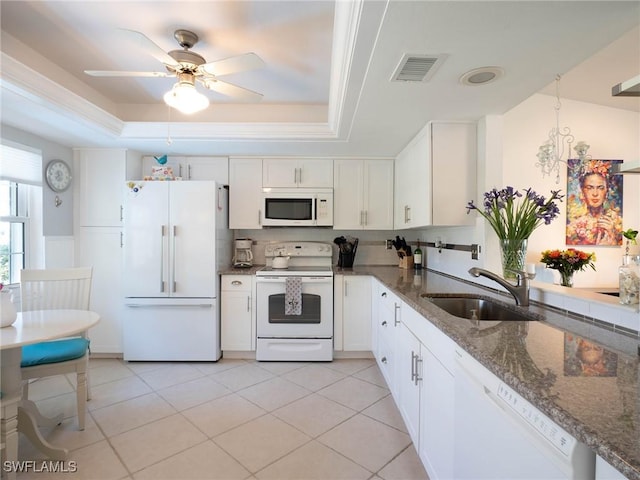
<point x="117" y="73"/>
<point x="238" y="63"/>
<point x="231" y="90"/>
<point x="150" y="47"/>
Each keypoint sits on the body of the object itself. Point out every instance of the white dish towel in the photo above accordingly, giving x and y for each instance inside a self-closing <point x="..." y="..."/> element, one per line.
<point x="293" y="296"/>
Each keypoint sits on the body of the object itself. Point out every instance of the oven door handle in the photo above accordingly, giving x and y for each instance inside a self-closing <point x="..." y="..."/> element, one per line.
<point x="304" y="279"/>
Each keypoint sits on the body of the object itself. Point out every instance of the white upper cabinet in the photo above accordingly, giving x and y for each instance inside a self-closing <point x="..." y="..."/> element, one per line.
<point x="294" y="173"/>
<point x="435" y="176"/>
<point x="245" y="193"/>
<point x="453" y="172"/>
<point x="363" y="194"/>
<point x="101" y="173"/>
<point x="193" y="168"/>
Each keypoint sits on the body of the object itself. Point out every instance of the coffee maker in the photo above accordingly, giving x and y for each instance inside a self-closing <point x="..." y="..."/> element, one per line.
<point x="242" y="256"/>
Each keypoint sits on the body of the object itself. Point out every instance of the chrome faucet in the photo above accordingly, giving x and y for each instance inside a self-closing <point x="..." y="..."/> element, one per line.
<point x="520" y="290"/>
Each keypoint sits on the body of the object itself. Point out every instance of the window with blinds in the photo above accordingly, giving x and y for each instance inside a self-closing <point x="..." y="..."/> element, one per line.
<point x="20" y="173"/>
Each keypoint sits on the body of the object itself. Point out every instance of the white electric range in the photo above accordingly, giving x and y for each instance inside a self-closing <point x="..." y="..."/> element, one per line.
<point x="306" y="282"/>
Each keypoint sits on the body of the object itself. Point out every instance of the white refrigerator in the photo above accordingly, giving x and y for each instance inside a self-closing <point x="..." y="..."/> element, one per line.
<point x="176" y="238"/>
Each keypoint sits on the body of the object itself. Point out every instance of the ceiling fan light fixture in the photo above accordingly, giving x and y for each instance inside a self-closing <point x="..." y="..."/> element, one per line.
<point x="185" y="98"/>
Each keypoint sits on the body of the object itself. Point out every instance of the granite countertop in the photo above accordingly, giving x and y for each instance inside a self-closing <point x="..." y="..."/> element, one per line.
<point x="597" y="402"/>
<point x="231" y="270"/>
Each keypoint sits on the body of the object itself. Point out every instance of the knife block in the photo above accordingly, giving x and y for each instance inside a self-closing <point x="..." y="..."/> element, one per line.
<point x="406" y="262"/>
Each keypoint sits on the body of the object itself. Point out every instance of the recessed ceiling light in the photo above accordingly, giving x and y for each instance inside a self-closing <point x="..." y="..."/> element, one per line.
<point x="481" y="76"/>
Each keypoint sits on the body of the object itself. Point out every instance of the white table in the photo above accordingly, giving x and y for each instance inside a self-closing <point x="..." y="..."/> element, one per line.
<point x="31" y="327"/>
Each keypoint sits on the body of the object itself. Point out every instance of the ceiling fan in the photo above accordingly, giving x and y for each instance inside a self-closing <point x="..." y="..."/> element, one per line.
<point x="188" y="67"/>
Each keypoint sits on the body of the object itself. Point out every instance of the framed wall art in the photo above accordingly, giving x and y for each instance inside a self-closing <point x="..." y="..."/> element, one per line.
<point x="594" y="203"/>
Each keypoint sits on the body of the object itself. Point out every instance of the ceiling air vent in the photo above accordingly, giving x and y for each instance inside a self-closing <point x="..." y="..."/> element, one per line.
<point x="416" y="68"/>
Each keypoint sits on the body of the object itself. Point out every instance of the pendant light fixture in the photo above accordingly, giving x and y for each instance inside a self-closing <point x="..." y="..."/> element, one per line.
<point x="184" y="97"/>
<point x="550" y="154"/>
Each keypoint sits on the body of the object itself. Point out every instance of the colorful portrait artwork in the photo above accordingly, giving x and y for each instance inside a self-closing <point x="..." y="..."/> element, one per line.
<point x="594" y="203"/>
<point x="583" y="358"/>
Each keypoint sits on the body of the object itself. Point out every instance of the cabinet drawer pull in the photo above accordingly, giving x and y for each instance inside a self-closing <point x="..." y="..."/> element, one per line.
<point x="384" y="323"/>
<point x="383" y="359"/>
<point x="236" y="282"/>
<point x="384" y="294"/>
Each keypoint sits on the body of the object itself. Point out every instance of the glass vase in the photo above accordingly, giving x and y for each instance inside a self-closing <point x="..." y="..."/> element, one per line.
<point x="566" y="278"/>
<point x="629" y="278"/>
<point x="513" y="254"/>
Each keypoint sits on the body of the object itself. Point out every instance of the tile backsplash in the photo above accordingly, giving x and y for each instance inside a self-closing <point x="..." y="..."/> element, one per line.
<point x="371" y="245"/>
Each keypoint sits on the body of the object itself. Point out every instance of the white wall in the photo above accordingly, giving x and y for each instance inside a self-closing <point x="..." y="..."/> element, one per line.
<point x="508" y="145"/>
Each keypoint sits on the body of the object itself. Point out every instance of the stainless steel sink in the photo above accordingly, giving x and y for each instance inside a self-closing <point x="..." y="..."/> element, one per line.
<point x="477" y="308"/>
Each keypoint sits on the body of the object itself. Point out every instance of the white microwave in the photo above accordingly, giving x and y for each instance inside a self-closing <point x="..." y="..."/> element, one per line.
<point x="297" y="207"/>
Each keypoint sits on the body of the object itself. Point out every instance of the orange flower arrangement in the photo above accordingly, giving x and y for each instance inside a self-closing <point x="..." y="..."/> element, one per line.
<point x="567" y="262"/>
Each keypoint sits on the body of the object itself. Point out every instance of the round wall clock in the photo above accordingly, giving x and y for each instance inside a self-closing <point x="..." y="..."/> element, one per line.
<point x="58" y="175"/>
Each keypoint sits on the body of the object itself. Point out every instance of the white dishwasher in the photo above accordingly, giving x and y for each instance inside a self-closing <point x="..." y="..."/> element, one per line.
<point x="500" y="435"/>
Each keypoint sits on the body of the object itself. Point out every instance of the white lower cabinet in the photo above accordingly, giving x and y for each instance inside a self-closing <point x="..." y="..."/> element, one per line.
<point x="604" y="470"/>
<point x="435" y="446"/>
<point x="237" y="313"/>
<point x="417" y="361"/>
<point x="356" y="313"/>
<point x="409" y="379"/>
<point x="387" y="325"/>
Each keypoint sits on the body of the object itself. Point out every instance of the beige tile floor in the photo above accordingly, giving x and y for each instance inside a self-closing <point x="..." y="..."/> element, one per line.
<point x="233" y="419"/>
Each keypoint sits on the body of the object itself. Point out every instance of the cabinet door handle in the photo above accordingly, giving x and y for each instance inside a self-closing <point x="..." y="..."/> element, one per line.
<point x="396" y="322"/>
<point x="259" y="217"/>
<point x="345" y="288"/>
<point x="300" y="175"/>
<point x="383" y="294"/>
<point x="406" y="216"/>
<point x="413" y="365"/>
<point x="121" y="213"/>
<point x="236" y="282"/>
<point x="384" y="323"/>
<point x="180" y="169"/>
<point x="189" y="172"/>
<point x="383" y="359"/>
<point x="121" y="239"/>
<point x="366" y="217"/>
<point x="415" y="361"/>
<point x="248" y="303"/>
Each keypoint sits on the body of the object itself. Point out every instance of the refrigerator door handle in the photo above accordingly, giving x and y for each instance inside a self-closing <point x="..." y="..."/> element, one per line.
<point x="162" y="258"/>
<point x="173" y="260"/>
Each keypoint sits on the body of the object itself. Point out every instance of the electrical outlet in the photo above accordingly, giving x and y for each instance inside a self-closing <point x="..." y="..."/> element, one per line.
<point x="389" y="244"/>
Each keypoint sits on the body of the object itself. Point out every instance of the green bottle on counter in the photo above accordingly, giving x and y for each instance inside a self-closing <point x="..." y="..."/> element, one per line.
<point x="417" y="257"/>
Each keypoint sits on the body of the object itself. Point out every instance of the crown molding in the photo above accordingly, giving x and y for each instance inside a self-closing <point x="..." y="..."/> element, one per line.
<point x="38" y="91"/>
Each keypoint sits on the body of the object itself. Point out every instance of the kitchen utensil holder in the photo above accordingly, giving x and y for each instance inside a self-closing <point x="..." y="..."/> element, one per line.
<point x="345" y="260"/>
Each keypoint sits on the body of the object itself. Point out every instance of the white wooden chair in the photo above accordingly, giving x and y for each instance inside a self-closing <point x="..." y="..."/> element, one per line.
<point x="68" y="288"/>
